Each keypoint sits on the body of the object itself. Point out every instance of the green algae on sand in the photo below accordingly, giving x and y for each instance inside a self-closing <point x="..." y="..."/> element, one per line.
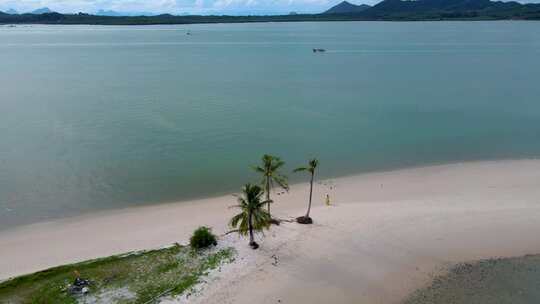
<point x="136" y="277"/>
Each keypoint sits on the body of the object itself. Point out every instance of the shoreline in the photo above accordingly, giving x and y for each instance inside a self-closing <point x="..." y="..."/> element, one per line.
<point x="220" y="195"/>
<point x="89" y="19"/>
<point x="386" y="234"/>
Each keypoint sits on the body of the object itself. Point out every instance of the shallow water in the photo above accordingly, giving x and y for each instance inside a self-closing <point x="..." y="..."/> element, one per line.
<point x="96" y="117"/>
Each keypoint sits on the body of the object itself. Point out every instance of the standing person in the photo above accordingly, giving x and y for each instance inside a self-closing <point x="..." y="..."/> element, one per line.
<point x="327" y="199"/>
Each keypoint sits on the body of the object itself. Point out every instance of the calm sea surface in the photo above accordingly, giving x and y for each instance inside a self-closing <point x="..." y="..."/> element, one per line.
<point x="96" y="117"/>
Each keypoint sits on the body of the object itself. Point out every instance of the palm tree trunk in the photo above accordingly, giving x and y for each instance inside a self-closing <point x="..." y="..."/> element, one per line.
<point x="310" y="194"/>
<point x="250" y="228"/>
<point x="268" y="192"/>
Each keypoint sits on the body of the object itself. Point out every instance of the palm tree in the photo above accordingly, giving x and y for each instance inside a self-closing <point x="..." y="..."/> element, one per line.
<point x="252" y="217"/>
<point x="312" y="165"/>
<point x="269" y="171"/>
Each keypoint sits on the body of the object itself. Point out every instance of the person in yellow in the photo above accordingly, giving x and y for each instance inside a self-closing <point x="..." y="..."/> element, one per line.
<point x="327" y="199"/>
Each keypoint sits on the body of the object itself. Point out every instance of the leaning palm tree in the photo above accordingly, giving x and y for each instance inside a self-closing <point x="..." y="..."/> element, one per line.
<point x="312" y="165"/>
<point x="269" y="170"/>
<point x="252" y="217"/>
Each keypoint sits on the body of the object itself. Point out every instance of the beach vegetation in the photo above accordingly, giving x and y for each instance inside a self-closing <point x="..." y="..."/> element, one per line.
<point x="271" y="177"/>
<point x="135" y="277"/>
<point x="252" y="216"/>
<point x="202" y="238"/>
<point x="310" y="168"/>
<point x="386" y="11"/>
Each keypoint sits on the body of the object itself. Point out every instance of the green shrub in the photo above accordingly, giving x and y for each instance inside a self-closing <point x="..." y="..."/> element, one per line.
<point x="202" y="238"/>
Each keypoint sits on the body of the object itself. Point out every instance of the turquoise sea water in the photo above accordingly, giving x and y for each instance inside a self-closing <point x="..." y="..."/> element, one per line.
<point x="95" y="117"/>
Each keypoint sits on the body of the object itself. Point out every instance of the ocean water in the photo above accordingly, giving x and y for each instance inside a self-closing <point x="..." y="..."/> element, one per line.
<point x="97" y="117"/>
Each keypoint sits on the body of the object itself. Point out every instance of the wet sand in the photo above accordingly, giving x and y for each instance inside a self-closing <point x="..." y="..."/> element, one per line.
<point x="493" y="281"/>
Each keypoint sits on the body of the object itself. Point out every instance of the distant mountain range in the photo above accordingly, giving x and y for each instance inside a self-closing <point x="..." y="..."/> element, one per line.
<point x="39" y="11"/>
<point x="438" y="9"/>
<point x="347" y="8"/>
<point x="110" y="13"/>
<point x="388" y="10"/>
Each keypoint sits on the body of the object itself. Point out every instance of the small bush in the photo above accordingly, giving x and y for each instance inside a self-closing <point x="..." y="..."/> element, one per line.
<point x="202" y="238"/>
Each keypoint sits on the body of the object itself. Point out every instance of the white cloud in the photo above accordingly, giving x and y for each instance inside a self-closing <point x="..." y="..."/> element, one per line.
<point x="163" y="6"/>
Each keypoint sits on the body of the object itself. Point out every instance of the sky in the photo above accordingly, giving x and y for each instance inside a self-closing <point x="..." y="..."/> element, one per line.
<point x="180" y="6"/>
<point x="172" y="6"/>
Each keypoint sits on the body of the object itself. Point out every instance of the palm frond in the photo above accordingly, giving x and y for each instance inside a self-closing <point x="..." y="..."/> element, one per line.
<point x="260" y="204"/>
<point x="261" y="219"/>
<point x="281" y="181"/>
<point x="258" y="169"/>
<point x="236" y="219"/>
<point x="250" y="203"/>
<point x="278" y="163"/>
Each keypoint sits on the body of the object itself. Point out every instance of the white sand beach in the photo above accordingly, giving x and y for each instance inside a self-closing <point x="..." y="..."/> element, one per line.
<point x="384" y="235"/>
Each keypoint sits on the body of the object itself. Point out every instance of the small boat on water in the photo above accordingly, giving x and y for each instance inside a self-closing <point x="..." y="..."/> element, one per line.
<point x="319" y="50"/>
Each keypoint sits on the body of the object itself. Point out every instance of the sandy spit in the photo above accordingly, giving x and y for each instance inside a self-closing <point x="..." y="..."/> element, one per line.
<point x="385" y="234"/>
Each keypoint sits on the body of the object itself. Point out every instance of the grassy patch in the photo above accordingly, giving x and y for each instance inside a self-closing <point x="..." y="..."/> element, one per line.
<point x="137" y="277"/>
